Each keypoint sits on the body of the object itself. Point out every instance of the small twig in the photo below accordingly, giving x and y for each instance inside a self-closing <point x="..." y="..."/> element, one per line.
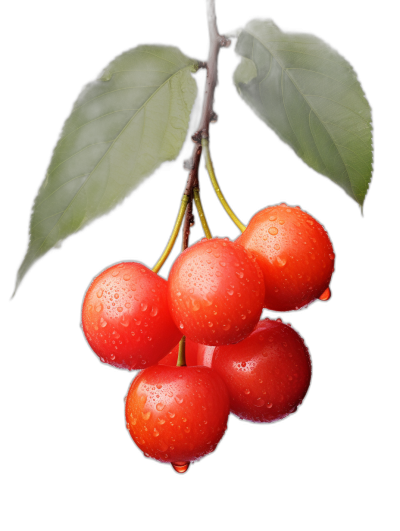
<point x="217" y="41"/>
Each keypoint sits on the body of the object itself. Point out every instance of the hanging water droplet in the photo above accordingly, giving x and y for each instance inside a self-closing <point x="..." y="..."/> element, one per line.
<point x="181" y="466"/>
<point x="326" y="295"/>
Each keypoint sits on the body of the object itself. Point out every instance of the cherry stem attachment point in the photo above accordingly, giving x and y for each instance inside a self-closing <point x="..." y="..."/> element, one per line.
<point x="181" y="355"/>
<point x="174" y="235"/>
<point x="204" y="224"/>
<point x="211" y="173"/>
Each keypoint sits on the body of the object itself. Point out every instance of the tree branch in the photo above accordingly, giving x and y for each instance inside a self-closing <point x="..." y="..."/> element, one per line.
<point x="208" y="115"/>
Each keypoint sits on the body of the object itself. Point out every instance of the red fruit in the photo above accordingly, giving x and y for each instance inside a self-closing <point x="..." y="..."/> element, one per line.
<point x="126" y="319"/>
<point x="295" y="254"/>
<point x="190" y="354"/>
<point x="205" y="355"/>
<point x="215" y="292"/>
<point x="267" y="374"/>
<point x="177" y="414"/>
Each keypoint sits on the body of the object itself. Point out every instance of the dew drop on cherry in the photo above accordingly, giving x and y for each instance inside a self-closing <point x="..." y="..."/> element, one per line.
<point x="180" y="466"/>
<point x="326" y="295"/>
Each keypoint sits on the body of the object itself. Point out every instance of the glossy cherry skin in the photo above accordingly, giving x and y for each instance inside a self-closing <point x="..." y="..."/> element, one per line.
<point x="126" y="319"/>
<point x="191" y="350"/>
<point x="177" y="414"/>
<point x="215" y="292"/>
<point x="295" y="254"/>
<point x="267" y="374"/>
<point x="205" y="355"/>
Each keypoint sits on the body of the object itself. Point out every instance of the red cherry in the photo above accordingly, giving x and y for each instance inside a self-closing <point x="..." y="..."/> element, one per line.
<point x="267" y="374"/>
<point x="126" y="319"/>
<point x="177" y="414"/>
<point x="190" y="354"/>
<point x="215" y="292"/>
<point x="295" y="254"/>
<point x="205" y="355"/>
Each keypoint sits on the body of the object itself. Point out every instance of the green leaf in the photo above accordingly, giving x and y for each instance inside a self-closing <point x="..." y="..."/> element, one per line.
<point x="310" y="96"/>
<point x="122" y="127"/>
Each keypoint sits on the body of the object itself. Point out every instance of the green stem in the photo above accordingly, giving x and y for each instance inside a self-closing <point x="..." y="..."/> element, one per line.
<point x="210" y="169"/>
<point x="200" y="211"/>
<point x="174" y="235"/>
<point x="181" y="356"/>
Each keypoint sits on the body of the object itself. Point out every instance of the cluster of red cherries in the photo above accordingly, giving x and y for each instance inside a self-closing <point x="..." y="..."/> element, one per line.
<point x="260" y="370"/>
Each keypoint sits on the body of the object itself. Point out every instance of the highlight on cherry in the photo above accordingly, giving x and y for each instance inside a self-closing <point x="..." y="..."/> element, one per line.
<point x="198" y="338"/>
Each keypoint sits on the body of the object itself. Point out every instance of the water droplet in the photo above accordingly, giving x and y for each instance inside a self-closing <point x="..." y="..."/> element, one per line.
<point x="116" y="296"/>
<point x="143" y="306"/>
<point x="326" y="295"/>
<point x="103" y="323"/>
<point x="106" y="76"/>
<point x="195" y="305"/>
<point x="269" y="405"/>
<point x="156" y="433"/>
<point x="187" y="429"/>
<point x="226" y="327"/>
<point x="332" y="256"/>
<point x="100" y="293"/>
<point x="281" y="222"/>
<point x="273" y="231"/>
<point x="119" y="308"/>
<point x="277" y="246"/>
<point x="247" y="391"/>
<point x="230" y="292"/>
<point x="178" y="400"/>
<point x="181" y="326"/>
<point x="259" y="402"/>
<point x="222" y="264"/>
<point x="115" y="273"/>
<point x="160" y="406"/>
<point x="154" y="311"/>
<point x="281" y="261"/>
<point x="146" y="416"/>
<point x="210" y="324"/>
<point x="98" y="307"/>
<point x="279" y="320"/>
<point x="181" y="466"/>
<point x="171" y="415"/>
<point x="126" y="277"/>
<point x="272" y="218"/>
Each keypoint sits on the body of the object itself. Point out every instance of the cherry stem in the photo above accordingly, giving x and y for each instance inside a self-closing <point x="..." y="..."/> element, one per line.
<point x="181" y="355"/>
<point x="174" y="235"/>
<point x="211" y="173"/>
<point x="200" y="211"/>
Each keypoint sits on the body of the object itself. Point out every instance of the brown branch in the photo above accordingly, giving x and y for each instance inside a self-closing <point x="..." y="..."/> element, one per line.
<point x="208" y="114"/>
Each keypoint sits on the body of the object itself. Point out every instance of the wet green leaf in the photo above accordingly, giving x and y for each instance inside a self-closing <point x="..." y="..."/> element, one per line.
<point x="122" y="127"/>
<point x="310" y="96"/>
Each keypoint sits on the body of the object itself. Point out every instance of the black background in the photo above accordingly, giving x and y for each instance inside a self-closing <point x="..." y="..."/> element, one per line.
<point x="66" y="419"/>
